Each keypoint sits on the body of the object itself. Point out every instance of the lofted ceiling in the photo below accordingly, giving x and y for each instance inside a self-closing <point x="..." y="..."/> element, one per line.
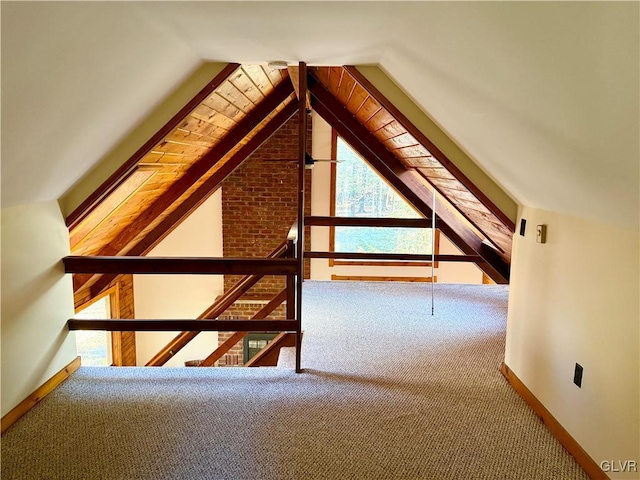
<point x="543" y="96"/>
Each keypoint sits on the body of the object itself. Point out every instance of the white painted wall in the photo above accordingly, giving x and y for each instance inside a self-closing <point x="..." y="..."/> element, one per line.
<point x="576" y="299"/>
<point x="320" y="196"/>
<point x="37" y="299"/>
<point x="182" y="296"/>
<point x="456" y="272"/>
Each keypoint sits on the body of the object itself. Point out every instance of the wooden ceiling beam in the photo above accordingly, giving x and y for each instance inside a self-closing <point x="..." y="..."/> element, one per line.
<point x="433" y="149"/>
<point x="127" y="168"/>
<point x="294" y="76"/>
<point x="193" y="175"/>
<point x="405" y="182"/>
<point x="111" y="203"/>
<point x="201" y="194"/>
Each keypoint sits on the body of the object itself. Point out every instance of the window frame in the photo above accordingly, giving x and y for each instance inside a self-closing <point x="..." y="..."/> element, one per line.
<point x="114" y="310"/>
<point x="332" y="229"/>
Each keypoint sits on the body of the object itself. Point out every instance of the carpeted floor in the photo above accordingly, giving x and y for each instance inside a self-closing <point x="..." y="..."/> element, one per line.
<point x="389" y="392"/>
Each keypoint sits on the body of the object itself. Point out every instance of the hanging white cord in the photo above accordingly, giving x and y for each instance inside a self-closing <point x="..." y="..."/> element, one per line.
<point x="433" y="247"/>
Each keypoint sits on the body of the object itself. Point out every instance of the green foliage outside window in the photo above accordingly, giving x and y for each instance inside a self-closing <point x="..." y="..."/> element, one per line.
<point x="360" y="192"/>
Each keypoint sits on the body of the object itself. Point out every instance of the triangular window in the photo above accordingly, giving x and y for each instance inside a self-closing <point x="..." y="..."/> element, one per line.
<point x="361" y="192"/>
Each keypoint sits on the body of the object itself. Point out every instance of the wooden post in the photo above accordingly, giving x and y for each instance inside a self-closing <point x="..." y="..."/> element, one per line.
<point x="291" y="284"/>
<point x="302" y="150"/>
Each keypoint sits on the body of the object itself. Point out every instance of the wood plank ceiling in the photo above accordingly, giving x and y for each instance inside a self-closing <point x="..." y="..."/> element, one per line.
<point x="185" y="162"/>
<point x="417" y="154"/>
<point x="243" y="101"/>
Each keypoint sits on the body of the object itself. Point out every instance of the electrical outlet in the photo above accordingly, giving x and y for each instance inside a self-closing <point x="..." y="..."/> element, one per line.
<point x="523" y="226"/>
<point x="577" y="375"/>
<point x="541" y="234"/>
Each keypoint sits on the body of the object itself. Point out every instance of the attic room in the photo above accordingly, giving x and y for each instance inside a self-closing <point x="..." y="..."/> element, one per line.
<point x="501" y="126"/>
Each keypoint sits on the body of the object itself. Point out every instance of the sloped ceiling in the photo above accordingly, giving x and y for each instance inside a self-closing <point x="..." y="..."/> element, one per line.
<point x="544" y="96"/>
<point x="76" y="77"/>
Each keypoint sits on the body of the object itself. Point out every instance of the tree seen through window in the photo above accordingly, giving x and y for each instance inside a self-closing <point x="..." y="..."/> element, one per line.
<point x="360" y="192"/>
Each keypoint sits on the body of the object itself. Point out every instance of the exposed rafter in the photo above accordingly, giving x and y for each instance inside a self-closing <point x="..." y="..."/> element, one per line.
<point x="294" y="75"/>
<point x="252" y="120"/>
<point x="433" y="149"/>
<point x="204" y="191"/>
<point x="239" y="110"/>
<point x="128" y="167"/>
<point x="414" y="150"/>
<point x="407" y="183"/>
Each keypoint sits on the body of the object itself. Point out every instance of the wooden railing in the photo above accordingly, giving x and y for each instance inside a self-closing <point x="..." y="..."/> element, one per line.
<point x="287" y="260"/>
<point x="281" y="261"/>
<point x="218" y="308"/>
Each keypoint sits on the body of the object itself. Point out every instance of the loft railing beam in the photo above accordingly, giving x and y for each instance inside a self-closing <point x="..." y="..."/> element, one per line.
<point x="140" y="325"/>
<point x="180" y="265"/>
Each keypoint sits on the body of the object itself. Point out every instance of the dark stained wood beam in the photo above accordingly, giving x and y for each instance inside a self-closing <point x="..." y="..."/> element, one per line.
<point x="157" y="208"/>
<point x="294" y="76"/>
<point x="138" y="325"/>
<point x="302" y="156"/>
<point x="128" y="167"/>
<point x="405" y="257"/>
<point x="236" y="337"/>
<point x="181" y="265"/>
<point x="200" y="195"/>
<point x="367" y="222"/>
<point x="435" y="151"/>
<point x="406" y="183"/>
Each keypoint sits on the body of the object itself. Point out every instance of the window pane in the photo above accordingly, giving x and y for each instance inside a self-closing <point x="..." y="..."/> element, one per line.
<point x="383" y="240"/>
<point x="98" y="309"/>
<point x="94" y="346"/>
<point x="360" y="192"/>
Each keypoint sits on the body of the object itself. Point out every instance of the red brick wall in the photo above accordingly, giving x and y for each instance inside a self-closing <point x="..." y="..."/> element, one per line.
<point x="260" y="201"/>
<point x="259" y="205"/>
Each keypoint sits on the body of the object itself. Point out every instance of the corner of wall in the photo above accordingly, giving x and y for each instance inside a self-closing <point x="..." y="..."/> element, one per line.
<point x="575" y="299"/>
<point x="37" y="299"/>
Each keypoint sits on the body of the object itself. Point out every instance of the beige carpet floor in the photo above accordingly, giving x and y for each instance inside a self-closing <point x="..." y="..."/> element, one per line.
<point x="389" y="392"/>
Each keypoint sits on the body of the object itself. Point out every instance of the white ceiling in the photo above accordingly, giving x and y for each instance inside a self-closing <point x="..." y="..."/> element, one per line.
<point x="543" y="96"/>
